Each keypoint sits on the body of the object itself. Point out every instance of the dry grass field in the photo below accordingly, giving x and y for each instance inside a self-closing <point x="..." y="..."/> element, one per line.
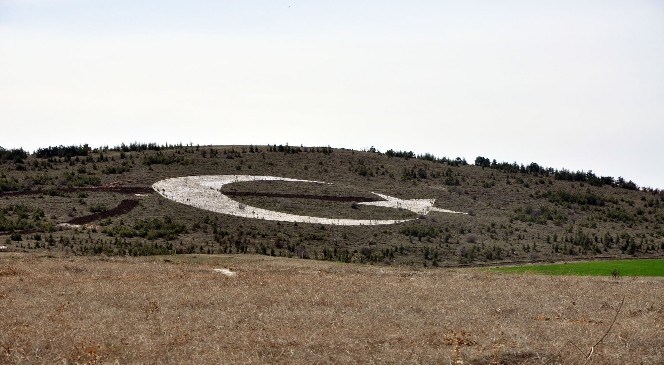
<point x="177" y="309"/>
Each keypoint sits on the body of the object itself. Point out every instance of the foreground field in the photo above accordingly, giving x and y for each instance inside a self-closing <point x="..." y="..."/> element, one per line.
<point x="177" y="309"/>
<point x="653" y="267"/>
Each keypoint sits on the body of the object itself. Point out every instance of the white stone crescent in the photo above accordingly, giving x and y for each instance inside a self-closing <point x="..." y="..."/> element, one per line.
<point x="204" y="192"/>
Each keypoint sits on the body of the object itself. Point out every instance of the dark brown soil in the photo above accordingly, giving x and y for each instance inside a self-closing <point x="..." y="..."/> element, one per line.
<point x="358" y="199"/>
<point x="124" y="207"/>
<point x="107" y="189"/>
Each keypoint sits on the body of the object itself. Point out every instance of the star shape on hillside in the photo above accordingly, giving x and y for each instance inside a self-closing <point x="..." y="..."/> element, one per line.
<point x="418" y="206"/>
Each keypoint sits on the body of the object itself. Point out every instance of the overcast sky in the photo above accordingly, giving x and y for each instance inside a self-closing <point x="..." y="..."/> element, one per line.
<point x="573" y="84"/>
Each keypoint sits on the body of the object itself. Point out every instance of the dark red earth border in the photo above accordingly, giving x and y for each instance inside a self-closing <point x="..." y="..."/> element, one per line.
<point x="358" y="199"/>
<point x="125" y="206"/>
<point x="106" y="189"/>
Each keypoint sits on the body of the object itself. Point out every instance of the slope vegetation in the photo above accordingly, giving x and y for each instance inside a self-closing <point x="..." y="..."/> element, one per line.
<point x="516" y="213"/>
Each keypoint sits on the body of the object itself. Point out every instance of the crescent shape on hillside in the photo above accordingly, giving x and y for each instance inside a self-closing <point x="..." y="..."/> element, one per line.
<point x="204" y="192"/>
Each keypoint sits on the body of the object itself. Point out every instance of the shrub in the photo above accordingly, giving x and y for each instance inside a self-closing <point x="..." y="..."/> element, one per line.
<point x="63" y="151"/>
<point x="162" y="159"/>
<point x="420" y="231"/>
<point x="74" y="179"/>
<point x="151" y="229"/>
<point x="10" y="185"/>
<point x="118" y="169"/>
<point x="14" y="155"/>
<point x="98" y="208"/>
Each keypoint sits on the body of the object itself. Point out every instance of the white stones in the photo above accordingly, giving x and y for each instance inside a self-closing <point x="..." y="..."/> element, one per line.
<point x="204" y="192"/>
<point x="226" y="272"/>
<point x="69" y="225"/>
<point x="419" y="206"/>
<point x="3" y="248"/>
<point x="90" y="227"/>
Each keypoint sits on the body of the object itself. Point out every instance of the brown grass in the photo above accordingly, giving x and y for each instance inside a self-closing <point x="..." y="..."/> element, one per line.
<point x="178" y="310"/>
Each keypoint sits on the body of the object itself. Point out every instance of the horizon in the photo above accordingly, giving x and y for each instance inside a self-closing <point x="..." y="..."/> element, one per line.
<point x="575" y="85"/>
<point x="469" y="160"/>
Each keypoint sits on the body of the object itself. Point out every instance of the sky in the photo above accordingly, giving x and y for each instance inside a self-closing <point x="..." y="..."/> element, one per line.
<point x="566" y="84"/>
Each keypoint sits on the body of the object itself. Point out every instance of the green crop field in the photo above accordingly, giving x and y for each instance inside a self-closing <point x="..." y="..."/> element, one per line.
<point x="653" y="267"/>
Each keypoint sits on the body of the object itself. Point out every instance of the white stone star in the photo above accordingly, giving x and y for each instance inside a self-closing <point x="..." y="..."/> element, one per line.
<point x="418" y="206"/>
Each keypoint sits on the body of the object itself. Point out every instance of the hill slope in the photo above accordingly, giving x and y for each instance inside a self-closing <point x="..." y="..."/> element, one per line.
<point x="514" y="214"/>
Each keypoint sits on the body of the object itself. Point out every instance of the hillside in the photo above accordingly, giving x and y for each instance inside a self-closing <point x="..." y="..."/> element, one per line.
<point x="514" y="213"/>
